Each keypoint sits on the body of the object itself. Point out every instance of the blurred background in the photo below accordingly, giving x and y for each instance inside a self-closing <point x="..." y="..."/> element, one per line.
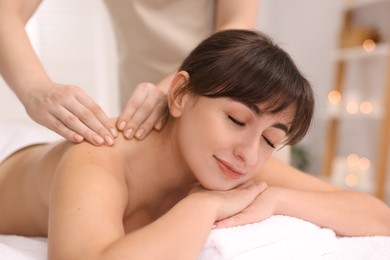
<point x="341" y="46"/>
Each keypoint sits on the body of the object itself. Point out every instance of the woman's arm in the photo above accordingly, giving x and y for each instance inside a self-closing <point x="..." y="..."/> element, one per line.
<point x="297" y="194"/>
<point x="183" y="230"/>
<point x="90" y="197"/>
<point x="65" y="109"/>
<point x="348" y="213"/>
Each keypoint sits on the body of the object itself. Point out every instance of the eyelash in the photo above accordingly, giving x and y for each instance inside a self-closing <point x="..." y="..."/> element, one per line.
<point x="269" y="142"/>
<point x="235" y="121"/>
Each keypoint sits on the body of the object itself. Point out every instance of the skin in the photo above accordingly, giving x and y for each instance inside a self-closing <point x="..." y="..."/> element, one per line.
<point x="138" y="118"/>
<point x="66" y="108"/>
<point x="203" y="169"/>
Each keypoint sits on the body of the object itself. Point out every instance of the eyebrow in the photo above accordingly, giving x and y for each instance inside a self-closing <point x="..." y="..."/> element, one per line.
<point x="254" y="108"/>
<point x="257" y="111"/>
<point x="281" y="126"/>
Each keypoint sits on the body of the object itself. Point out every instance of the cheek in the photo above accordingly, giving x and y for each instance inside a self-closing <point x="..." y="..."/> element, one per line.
<point x="200" y="138"/>
<point x="264" y="156"/>
<point x="203" y="131"/>
<point x="194" y="137"/>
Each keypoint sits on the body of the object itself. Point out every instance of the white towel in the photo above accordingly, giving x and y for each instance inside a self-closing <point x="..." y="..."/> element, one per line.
<point x="361" y="248"/>
<point x="279" y="237"/>
<point x="15" y="135"/>
<point x="22" y="248"/>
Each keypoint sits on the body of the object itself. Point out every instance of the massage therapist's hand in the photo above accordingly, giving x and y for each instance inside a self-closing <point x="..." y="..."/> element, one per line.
<point x="143" y="111"/>
<point x="231" y="202"/>
<point x="263" y="207"/>
<point x="67" y="110"/>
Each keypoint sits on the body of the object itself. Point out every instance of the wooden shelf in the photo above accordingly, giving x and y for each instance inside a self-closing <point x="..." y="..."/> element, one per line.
<point x="344" y="116"/>
<point x="357" y="4"/>
<point x="356" y="53"/>
<point x="343" y="58"/>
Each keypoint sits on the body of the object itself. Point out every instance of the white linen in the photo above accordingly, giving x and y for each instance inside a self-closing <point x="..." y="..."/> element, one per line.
<point x="280" y="237"/>
<point x="18" y="134"/>
<point x="283" y="237"/>
<point x="22" y="248"/>
<point x="364" y="248"/>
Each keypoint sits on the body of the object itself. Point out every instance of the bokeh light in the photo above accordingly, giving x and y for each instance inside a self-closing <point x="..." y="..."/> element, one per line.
<point x="352" y="107"/>
<point x="352" y="159"/>
<point x="351" y="180"/>
<point x="334" y="97"/>
<point x="369" y="45"/>
<point x="366" y="107"/>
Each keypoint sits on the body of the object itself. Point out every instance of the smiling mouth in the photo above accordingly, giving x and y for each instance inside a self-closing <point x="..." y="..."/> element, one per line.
<point x="227" y="170"/>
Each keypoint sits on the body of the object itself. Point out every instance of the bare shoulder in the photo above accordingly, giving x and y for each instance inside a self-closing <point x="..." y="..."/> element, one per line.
<point x="89" y="198"/>
<point x="93" y="163"/>
<point x="86" y="153"/>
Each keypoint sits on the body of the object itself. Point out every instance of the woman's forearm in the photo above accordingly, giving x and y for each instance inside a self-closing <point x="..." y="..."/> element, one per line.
<point x="179" y="234"/>
<point x="183" y="230"/>
<point x="348" y="213"/>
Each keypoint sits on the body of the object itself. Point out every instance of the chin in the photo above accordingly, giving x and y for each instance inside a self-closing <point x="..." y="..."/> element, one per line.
<point x="221" y="186"/>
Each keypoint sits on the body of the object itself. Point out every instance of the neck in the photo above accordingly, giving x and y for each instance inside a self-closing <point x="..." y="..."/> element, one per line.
<point x="157" y="166"/>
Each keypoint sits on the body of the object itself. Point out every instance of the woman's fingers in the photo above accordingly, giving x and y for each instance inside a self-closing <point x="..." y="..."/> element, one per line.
<point x="262" y="207"/>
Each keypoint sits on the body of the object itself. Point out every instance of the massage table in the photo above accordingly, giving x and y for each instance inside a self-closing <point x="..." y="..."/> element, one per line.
<point x="278" y="237"/>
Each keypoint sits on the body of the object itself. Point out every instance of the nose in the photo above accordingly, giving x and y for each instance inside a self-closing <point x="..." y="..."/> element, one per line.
<point x="248" y="150"/>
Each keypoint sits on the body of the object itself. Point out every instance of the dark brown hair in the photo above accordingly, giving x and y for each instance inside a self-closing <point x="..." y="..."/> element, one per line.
<point x="248" y="67"/>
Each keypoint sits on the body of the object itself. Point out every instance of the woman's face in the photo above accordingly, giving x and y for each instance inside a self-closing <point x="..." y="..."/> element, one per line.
<point x="226" y="143"/>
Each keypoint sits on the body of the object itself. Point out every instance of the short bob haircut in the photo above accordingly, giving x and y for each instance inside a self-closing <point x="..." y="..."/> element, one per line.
<point x="248" y="67"/>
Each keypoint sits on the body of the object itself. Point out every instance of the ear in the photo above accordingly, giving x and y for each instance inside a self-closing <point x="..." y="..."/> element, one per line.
<point x="177" y="96"/>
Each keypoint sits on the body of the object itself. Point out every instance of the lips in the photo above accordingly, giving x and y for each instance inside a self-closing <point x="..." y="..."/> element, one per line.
<point x="228" y="170"/>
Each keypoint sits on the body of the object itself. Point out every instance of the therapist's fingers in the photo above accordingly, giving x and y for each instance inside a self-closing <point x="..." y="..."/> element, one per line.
<point x="154" y="104"/>
<point x="67" y="110"/>
<point x="136" y="99"/>
<point x="94" y="118"/>
<point x="143" y="111"/>
<point x="60" y="128"/>
<point x="154" y="120"/>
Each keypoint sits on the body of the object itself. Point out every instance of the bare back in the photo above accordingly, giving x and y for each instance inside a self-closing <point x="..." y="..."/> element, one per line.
<point x="28" y="176"/>
<point x="25" y="180"/>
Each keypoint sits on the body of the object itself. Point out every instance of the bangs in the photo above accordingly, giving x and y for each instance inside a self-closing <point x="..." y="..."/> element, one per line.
<point x="251" y="69"/>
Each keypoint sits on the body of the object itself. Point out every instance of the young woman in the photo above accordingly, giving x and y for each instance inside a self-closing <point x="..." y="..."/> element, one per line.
<point x="235" y="99"/>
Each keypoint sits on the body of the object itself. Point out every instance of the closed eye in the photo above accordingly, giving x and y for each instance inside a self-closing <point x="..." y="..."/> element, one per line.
<point x="235" y="121"/>
<point x="269" y="142"/>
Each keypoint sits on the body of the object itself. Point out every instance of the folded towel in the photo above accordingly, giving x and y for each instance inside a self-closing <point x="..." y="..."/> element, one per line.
<point x="372" y="247"/>
<point x="282" y="238"/>
<point x="279" y="237"/>
<point x="22" y="248"/>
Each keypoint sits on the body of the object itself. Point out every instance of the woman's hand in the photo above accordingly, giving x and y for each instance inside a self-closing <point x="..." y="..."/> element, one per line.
<point x="231" y="202"/>
<point x="143" y="111"/>
<point x="263" y="207"/>
<point x="70" y="112"/>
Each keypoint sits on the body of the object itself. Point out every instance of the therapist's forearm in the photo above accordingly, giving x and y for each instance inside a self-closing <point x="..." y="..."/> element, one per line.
<point x="348" y="213"/>
<point x="233" y="14"/>
<point x="229" y="14"/>
<point x="19" y="65"/>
